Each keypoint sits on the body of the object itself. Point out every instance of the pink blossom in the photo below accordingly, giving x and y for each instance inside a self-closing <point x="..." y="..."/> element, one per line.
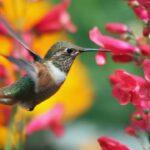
<point x="108" y="143"/>
<point x="116" y="28"/>
<point x="117" y="46"/>
<point x="56" y="19"/>
<point x="49" y="120"/>
<point x="100" y="58"/>
<point x="126" y="87"/>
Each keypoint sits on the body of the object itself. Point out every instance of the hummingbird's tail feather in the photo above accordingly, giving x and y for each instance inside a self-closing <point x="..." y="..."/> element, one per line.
<point x="19" y="39"/>
<point x="6" y="99"/>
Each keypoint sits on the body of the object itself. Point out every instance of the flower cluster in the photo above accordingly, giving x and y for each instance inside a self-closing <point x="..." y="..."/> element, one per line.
<point x="128" y="88"/>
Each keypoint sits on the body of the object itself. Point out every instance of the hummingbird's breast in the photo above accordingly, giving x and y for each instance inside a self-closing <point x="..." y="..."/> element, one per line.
<point x="50" y="78"/>
<point x="57" y="75"/>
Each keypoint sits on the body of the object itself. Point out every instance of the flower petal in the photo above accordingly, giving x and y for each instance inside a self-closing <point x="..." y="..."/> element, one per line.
<point x="50" y="119"/>
<point x="108" y="143"/>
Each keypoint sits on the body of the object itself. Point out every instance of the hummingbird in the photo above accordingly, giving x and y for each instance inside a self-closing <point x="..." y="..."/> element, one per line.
<point x="44" y="76"/>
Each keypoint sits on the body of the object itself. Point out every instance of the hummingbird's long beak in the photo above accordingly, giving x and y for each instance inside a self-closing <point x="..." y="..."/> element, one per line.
<point x="94" y="49"/>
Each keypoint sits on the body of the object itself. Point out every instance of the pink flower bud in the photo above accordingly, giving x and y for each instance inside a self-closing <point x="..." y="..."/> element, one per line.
<point x="133" y="3"/>
<point x="122" y="58"/>
<point x="145" y="49"/>
<point x="140" y="120"/>
<point x="146" y="31"/>
<point x="108" y="143"/>
<point x="117" y="28"/>
<point x="141" y="13"/>
<point x="130" y="131"/>
<point x="100" y="58"/>
<point x="117" y="46"/>
<point x="145" y="3"/>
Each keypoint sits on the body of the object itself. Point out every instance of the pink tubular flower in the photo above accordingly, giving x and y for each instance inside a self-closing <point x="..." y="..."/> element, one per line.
<point x="117" y="28"/>
<point x="107" y="143"/>
<point x="56" y="19"/>
<point x="117" y="46"/>
<point x="50" y="120"/>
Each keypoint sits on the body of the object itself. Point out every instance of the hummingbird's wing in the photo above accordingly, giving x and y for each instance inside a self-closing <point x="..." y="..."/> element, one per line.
<point x="30" y="69"/>
<point x="35" y="56"/>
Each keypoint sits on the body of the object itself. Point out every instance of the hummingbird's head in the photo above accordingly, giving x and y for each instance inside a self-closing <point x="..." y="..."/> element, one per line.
<point x="62" y="54"/>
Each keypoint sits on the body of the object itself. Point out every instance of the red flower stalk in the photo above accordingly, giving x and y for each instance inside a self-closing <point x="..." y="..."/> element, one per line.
<point x="50" y="120"/>
<point x="108" y="143"/>
<point x="56" y="19"/>
<point x="117" y="28"/>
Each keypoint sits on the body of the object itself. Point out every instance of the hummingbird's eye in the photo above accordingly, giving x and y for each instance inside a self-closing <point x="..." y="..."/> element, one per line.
<point x="69" y="50"/>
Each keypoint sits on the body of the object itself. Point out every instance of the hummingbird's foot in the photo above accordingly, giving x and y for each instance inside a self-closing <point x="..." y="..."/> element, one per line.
<point x="7" y="101"/>
<point x="31" y="108"/>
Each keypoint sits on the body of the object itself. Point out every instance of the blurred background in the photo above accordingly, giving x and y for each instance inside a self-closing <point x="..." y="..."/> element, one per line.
<point x="102" y="114"/>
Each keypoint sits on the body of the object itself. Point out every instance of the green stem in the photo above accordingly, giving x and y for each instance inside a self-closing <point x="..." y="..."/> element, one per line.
<point x="8" y="145"/>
